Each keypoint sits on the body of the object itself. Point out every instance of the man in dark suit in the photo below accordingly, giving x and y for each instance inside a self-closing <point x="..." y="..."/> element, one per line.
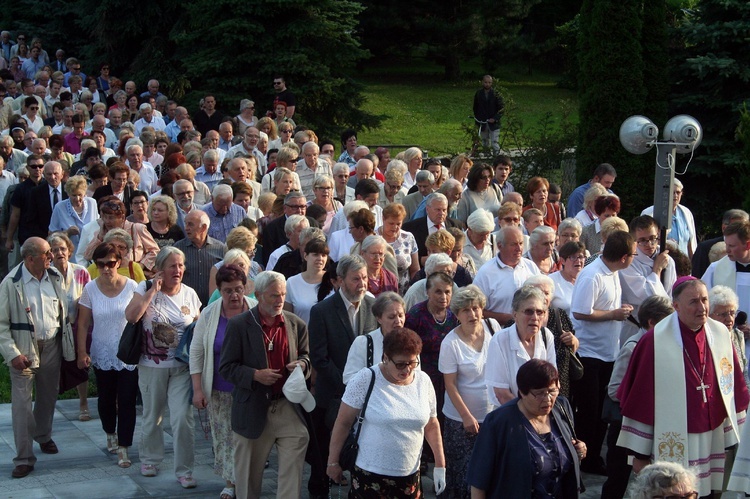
<point x="436" y="207"/>
<point x="262" y="346"/>
<point x="117" y="186"/>
<point x="21" y="204"/>
<point x="274" y="235"/>
<point x="334" y="323"/>
<point x="700" y="258"/>
<point x="44" y="197"/>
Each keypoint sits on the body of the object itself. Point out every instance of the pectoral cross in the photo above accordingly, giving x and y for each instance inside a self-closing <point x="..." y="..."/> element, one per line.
<point x="703" y="387"/>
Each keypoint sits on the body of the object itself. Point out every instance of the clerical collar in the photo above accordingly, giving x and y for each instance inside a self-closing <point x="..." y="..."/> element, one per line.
<point x="742" y="267"/>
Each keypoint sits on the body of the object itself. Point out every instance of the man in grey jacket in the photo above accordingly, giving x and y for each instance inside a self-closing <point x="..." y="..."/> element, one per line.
<point x="31" y="324"/>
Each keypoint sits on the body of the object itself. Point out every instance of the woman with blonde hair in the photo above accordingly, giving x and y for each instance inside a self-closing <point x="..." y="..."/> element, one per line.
<point x="162" y="225"/>
<point x="268" y="126"/>
<point x="459" y="169"/>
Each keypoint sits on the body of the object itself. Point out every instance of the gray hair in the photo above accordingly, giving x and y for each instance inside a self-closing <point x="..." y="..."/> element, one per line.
<point x="350" y="263"/>
<point x="436" y="260"/>
<point x="481" y="221"/>
<point x="570" y="223"/>
<point x="222" y="191"/>
<point x="539" y="232"/>
<point x="310" y="233"/>
<point x="353" y="206"/>
<point x="211" y="154"/>
<point x="164" y="254"/>
<point x="266" y="279"/>
<point x="340" y="167"/>
<point x="294" y="195"/>
<point x="385" y="299"/>
<point x="449" y="185"/>
<point x="721" y="296"/>
<point x="145" y="107"/>
<point x="130" y="144"/>
<point x="310" y="145"/>
<point x="423" y="175"/>
<point x="372" y="241"/>
<point x="466" y="297"/>
<point x="525" y="293"/>
<point x="398" y="165"/>
<point x="323" y="179"/>
<point x="234" y="255"/>
<point x="677" y="183"/>
<point x="654" y="308"/>
<point x="30" y="247"/>
<point x="655" y="478"/>
<point x="294" y="221"/>
<point x="120" y="235"/>
<point x="734" y="215"/>
<point x="540" y="280"/>
<point x="435" y="196"/>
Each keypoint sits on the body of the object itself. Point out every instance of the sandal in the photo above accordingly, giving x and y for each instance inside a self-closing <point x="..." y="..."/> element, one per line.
<point x="122" y="458"/>
<point x="227" y="493"/>
<point x="84" y="415"/>
<point x="112" y="444"/>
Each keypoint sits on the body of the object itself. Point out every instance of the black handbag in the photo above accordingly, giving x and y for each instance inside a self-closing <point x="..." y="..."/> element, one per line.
<point x="130" y="348"/>
<point x="349" y="451"/>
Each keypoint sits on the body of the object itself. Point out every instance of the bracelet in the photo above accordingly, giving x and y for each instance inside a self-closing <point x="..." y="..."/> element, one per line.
<point x="329" y="465"/>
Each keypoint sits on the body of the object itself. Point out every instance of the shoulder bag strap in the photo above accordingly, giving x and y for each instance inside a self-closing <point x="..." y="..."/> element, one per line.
<point x="489" y="326"/>
<point x="370" y="350"/>
<point x="361" y="417"/>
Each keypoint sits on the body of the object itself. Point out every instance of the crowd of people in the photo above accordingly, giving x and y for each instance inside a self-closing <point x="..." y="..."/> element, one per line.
<point x="284" y="281"/>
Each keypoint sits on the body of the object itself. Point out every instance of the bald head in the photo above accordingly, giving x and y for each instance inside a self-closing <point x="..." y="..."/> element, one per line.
<point x="364" y="169"/>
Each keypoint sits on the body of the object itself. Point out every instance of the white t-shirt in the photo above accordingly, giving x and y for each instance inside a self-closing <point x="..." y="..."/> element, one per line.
<point x="499" y="282"/>
<point x="276" y="254"/>
<point x="563" y="292"/>
<point x="597" y="288"/>
<point x="302" y="296"/>
<point x="393" y="430"/>
<point x="164" y="322"/>
<point x="507" y="355"/>
<point x="458" y="357"/>
<point x="109" y="321"/>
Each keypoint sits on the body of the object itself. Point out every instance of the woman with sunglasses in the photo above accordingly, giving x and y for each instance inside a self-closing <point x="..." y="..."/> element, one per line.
<point x="527" y="447"/>
<point x="478" y="193"/>
<point x="401" y="412"/>
<point x="103" y="304"/>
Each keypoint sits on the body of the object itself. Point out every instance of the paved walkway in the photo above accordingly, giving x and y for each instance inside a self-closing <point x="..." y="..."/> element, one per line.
<point x="84" y="468"/>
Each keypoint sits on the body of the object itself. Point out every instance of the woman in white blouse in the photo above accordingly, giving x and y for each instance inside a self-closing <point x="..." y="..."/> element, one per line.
<point x="302" y="289"/>
<point x="513" y="346"/>
<point x="463" y="355"/>
<point x="389" y="310"/>
<point x="572" y="257"/>
<point x="401" y="412"/>
<point x="103" y="303"/>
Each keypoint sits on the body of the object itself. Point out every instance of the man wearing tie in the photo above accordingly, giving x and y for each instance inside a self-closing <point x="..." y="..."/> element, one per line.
<point x="436" y="209"/>
<point x="44" y="197"/>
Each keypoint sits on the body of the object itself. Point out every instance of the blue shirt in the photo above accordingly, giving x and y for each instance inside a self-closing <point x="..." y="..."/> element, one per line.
<point x="575" y="201"/>
<point x="222" y="224"/>
<point x="172" y="130"/>
<point x="64" y="217"/>
<point x="210" y="179"/>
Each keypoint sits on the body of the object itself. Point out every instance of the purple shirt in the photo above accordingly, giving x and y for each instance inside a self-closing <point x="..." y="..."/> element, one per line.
<point x="220" y="383"/>
<point x="72" y="143"/>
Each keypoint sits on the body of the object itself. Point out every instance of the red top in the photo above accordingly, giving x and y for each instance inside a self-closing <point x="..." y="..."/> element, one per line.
<point x="552" y="218"/>
<point x="278" y="357"/>
<point x="636" y="393"/>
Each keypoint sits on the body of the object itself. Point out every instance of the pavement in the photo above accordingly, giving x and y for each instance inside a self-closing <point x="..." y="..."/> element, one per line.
<point x="84" y="469"/>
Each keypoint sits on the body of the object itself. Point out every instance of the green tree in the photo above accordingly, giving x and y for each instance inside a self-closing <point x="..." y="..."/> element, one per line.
<point x="611" y="89"/>
<point x="312" y="43"/>
<point x="711" y="84"/>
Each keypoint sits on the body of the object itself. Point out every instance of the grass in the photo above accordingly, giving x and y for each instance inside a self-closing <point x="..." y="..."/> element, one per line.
<point x="424" y="110"/>
<point x="70" y="394"/>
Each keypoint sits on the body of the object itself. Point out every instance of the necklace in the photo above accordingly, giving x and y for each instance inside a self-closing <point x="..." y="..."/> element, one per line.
<point x="703" y="386"/>
<point x="267" y="338"/>
<point x="434" y="317"/>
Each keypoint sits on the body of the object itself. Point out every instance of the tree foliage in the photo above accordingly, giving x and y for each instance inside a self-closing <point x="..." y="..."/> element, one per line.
<point x="231" y="48"/>
<point x="712" y="84"/>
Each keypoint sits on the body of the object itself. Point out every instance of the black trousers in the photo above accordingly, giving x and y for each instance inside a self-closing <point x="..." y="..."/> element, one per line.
<point x="117" y="393"/>
<point x="588" y="397"/>
<point x="618" y="469"/>
<point x="317" y="452"/>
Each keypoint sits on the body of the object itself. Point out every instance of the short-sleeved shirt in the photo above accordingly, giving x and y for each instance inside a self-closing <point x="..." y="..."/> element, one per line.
<point x="164" y="322"/>
<point x="458" y="357"/>
<point x="499" y="282"/>
<point x="597" y="288"/>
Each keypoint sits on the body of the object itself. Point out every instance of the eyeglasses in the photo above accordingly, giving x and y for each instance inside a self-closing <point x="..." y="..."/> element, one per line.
<point x="689" y="495"/>
<point x="727" y="314"/>
<point x="577" y="257"/>
<point x="105" y="69"/>
<point x="343" y="175"/>
<point x="403" y="365"/>
<point x="296" y="206"/>
<point x="325" y="188"/>
<point x="230" y="291"/>
<point x="184" y="193"/>
<point x="511" y="220"/>
<point x="76" y="69"/>
<point x="109" y="264"/>
<point x="543" y="394"/>
<point x="277" y="83"/>
<point x="644" y="241"/>
<point x="530" y="312"/>
<point x="485" y="177"/>
<point x="34" y="108"/>
<point x="35" y="167"/>
<point x="394" y="187"/>
<point x="143" y="201"/>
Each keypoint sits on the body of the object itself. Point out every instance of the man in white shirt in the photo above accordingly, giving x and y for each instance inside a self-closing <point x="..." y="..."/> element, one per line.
<point x="598" y="313"/>
<point x="32" y="117"/>
<point x="148" y="119"/>
<point x="250" y="146"/>
<point x="310" y="167"/>
<point x="149" y="182"/>
<point x="500" y="277"/>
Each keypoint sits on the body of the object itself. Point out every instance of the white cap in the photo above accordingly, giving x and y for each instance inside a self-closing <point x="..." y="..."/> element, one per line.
<point x="295" y="390"/>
